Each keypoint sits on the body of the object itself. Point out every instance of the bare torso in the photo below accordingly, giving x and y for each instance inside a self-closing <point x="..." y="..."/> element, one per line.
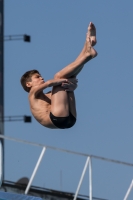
<point x="40" y="107"/>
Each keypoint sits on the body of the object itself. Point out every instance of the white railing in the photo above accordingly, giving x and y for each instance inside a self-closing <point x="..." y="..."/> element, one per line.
<point x="88" y="163"/>
<point x="35" y="170"/>
<point x="129" y="190"/>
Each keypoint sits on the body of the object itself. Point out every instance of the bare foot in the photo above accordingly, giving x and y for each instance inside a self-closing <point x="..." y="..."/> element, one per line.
<point x="92" y="33"/>
<point x="90" y="51"/>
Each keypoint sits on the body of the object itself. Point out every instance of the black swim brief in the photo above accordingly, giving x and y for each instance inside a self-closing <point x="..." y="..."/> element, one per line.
<point x="63" y="122"/>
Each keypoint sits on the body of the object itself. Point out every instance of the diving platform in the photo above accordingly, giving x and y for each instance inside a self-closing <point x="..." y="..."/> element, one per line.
<point x="13" y="196"/>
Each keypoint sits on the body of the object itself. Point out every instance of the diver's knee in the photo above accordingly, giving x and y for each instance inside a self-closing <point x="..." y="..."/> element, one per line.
<point x="57" y="75"/>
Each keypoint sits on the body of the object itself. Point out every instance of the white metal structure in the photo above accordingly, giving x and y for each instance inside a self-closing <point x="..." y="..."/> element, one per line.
<point x="35" y="170"/>
<point x="88" y="163"/>
<point x="129" y="190"/>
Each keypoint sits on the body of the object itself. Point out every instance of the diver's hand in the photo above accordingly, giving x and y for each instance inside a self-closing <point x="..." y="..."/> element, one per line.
<point x="70" y="86"/>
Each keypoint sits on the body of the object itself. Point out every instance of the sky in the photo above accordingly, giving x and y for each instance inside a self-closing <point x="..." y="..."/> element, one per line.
<point x="104" y="96"/>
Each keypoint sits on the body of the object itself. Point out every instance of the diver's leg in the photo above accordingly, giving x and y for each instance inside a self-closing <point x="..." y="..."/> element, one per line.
<point x="59" y="102"/>
<point x="75" y="66"/>
<point x="72" y="103"/>
<point x="62" y="102"/>
<point x="92" y="34"/>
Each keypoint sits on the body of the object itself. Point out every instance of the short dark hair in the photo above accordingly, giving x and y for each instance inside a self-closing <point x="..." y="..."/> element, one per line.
<point x="27" y="78"/>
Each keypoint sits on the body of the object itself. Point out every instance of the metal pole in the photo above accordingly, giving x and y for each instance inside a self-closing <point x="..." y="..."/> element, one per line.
<point x="90" y="179"/>
<point x="81" y="179"/>
<point x="129" y="190"/>
<point x="2" y="84"/>
<point x="35" y="170"/>
<point x="1" y="163"/>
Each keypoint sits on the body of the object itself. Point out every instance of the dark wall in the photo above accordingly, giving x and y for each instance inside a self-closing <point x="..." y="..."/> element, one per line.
<point x="1" y="87"/>
<point x="1" y="66"/>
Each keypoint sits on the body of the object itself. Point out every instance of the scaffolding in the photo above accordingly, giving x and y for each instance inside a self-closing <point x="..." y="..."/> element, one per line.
<point x="87" y="165"/>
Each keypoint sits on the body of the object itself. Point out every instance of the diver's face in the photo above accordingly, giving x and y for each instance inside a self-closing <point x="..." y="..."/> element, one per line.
<point x="36" y="79"/>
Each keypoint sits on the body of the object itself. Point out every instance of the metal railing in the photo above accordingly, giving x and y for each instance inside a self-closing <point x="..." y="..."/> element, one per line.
<point x="129" y="190"/>
<point x="87" y="164"/>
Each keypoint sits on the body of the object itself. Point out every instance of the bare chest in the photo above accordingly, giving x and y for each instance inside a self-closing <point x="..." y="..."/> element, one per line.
<point x="40" y="108"/>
